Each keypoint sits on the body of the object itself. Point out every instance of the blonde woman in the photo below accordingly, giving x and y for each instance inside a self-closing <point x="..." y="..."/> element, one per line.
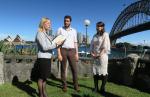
<point x="45" y="46"/>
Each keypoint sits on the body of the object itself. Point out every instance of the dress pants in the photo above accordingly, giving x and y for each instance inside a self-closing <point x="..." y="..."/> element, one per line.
<point x="69" y="54"/>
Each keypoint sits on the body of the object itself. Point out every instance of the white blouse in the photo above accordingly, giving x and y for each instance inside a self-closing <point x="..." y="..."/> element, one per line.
<point x="100" y="42"/>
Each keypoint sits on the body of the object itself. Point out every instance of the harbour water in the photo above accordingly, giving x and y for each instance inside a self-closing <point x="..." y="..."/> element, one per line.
<point x="115" y="53"/>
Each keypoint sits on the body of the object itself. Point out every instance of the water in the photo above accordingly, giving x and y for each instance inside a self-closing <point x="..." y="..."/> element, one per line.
<point x="17" y="47"/>
<point x="114" y="53"/>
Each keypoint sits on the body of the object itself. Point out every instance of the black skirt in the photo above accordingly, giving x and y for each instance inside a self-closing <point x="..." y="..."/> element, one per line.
<point x="44" y="68"/>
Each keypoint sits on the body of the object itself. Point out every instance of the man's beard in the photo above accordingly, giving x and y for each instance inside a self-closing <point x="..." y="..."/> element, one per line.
<point x="67" y="26"/>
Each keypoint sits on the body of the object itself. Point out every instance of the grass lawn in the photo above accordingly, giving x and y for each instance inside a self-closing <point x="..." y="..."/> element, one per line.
<point x="54" y="90"/>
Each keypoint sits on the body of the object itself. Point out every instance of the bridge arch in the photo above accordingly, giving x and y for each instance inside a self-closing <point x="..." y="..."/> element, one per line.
<point x="140" y="9"/>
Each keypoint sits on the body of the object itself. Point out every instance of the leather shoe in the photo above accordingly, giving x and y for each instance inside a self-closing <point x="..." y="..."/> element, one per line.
<point x="64" y="89"/>
<point x="77" y="89"/>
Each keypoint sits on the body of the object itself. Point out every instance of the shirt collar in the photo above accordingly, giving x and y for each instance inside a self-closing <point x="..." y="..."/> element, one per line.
<point x="68" y="28"/>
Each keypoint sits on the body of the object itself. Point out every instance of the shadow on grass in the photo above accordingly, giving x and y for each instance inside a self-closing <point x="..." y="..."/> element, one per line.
<point x="51" y="83"/>
<point x="90" y="95"/>
<point x="141" y="88"/>
<point x="75" y="95"/>
<point x="111" y="95"/>
<point x="24" y="86"/>
<point x="84" y="95"/>
<point x="60" y="85"/>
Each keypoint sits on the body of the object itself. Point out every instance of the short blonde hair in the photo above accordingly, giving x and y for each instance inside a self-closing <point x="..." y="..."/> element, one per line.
<point x="43" y="20"/>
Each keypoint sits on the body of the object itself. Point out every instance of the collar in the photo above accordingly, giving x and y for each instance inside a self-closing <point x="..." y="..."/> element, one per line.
<point x="68" y="29"/>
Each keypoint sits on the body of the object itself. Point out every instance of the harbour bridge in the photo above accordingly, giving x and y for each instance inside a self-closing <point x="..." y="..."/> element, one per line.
<point x="133" y="19"/>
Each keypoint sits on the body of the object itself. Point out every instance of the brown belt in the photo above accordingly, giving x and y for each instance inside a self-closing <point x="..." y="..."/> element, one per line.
<point x="68" y="49"/>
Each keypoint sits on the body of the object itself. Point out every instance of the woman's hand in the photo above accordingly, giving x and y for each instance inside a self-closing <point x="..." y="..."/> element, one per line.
<point x="93" y="55"/>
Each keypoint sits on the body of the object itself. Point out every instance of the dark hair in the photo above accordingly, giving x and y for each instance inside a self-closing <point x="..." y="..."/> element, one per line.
<point x="100" y="24"/>
<point x="69" y="17"/>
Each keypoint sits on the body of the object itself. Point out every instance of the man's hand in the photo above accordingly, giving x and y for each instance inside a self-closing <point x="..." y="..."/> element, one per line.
<point x="59" y="43"/>
<point x="60" y="57"/>
<point x="77" y="57"/>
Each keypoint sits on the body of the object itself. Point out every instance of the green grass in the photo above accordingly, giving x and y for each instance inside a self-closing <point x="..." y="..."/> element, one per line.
<point x="54" y="90"/>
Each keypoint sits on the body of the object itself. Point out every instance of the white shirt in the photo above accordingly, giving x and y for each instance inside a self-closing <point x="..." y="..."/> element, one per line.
<point x="71" y="37"/>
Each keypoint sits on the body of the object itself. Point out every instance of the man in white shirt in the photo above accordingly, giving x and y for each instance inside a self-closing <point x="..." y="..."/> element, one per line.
<point x="68" y="51"/>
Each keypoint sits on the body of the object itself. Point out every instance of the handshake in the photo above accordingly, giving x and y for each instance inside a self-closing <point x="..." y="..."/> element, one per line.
<point x="59" y="40"/>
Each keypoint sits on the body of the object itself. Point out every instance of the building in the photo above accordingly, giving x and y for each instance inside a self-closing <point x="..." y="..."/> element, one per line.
<point x="8" y="40"/>
<point x="18" y="40"/>
<point x="88" y="40"/>
<point x="79" y="37"/>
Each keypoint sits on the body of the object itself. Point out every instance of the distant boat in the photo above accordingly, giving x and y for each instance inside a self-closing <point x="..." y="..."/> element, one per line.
<point x="82" y="45"/>
<point x="83" y="53"/>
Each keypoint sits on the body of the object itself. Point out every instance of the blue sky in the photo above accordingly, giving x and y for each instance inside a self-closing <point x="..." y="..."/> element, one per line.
<point x="23" y="16"/>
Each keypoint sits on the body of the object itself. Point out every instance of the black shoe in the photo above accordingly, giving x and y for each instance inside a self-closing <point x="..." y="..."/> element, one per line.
<point x="102" y="92"/>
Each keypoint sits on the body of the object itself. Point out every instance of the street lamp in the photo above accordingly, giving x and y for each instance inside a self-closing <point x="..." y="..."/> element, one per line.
<point x="86" y="23"/>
